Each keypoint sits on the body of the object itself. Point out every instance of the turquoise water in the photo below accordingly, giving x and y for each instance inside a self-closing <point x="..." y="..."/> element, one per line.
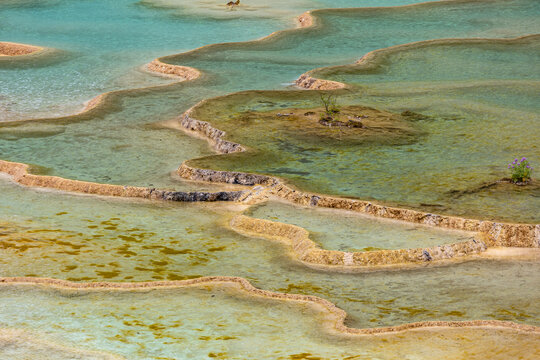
<point x="106" y="42"/>
<point x="347" y="231"/>
<point x="345" y="35"/>
<point x="116" y="145"/>
<point x="441" y="62"/>
<point x="82" y="238"/>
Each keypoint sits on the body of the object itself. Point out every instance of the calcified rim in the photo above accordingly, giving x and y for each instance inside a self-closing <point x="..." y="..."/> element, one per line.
<point x="19" y="174"/>
<point x="305" y="20"/>
<point x="12" y="50"/>
<point x="160" y="67"/>
<point x="338" y="314"/>
<point x="178" y="72"/>
<point x="32" y="339"/>
<point x="303" y="248"/>
<point x="309" y="253"/>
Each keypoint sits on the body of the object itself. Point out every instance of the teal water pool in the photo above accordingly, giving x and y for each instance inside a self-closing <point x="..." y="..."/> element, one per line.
<point x="105" y="43"/>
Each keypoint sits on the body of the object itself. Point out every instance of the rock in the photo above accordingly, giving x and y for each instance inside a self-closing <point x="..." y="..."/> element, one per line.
<point x="198" y="196"/>
<point x="426" y="256"/>
<point x="413" y="116"/>
<point x="353" y="123"/>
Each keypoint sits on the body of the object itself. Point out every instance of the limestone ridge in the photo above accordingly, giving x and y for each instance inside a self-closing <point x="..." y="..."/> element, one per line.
<point x="305" y="81"/>
<point x="213" y="135"/>
<point x="19" y="174"/>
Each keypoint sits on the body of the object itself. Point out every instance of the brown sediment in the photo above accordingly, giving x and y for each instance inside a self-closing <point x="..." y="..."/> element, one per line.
<point x="16" y="49"/>
<point x="501" y="234"/>
<point x="498" y="234"/>
<point x="184" y="72"/>
<point x="490" y="234"/>
<point x="19" y="173"/>
<point x="504" y="184"/>
<point x="338" y="315"/>
<point x="23" y="338"/>
<point x="310" y="253"/>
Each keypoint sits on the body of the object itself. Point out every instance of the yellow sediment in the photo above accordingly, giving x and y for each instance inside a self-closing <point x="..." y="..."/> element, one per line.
<point x="496" y="234"/>
<point x="490" y="234"/>
<point x="337" y="314"/>
<point x="16" y="49"/>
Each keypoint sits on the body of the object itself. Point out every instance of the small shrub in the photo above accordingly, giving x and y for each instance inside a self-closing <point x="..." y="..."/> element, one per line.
<point x="330" y="105"/>
<point x="521" y="170"/>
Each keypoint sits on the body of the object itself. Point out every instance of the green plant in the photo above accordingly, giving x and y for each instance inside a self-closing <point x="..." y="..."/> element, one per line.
<point x="330" y="105"/>
<point x="521" y="170"/>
